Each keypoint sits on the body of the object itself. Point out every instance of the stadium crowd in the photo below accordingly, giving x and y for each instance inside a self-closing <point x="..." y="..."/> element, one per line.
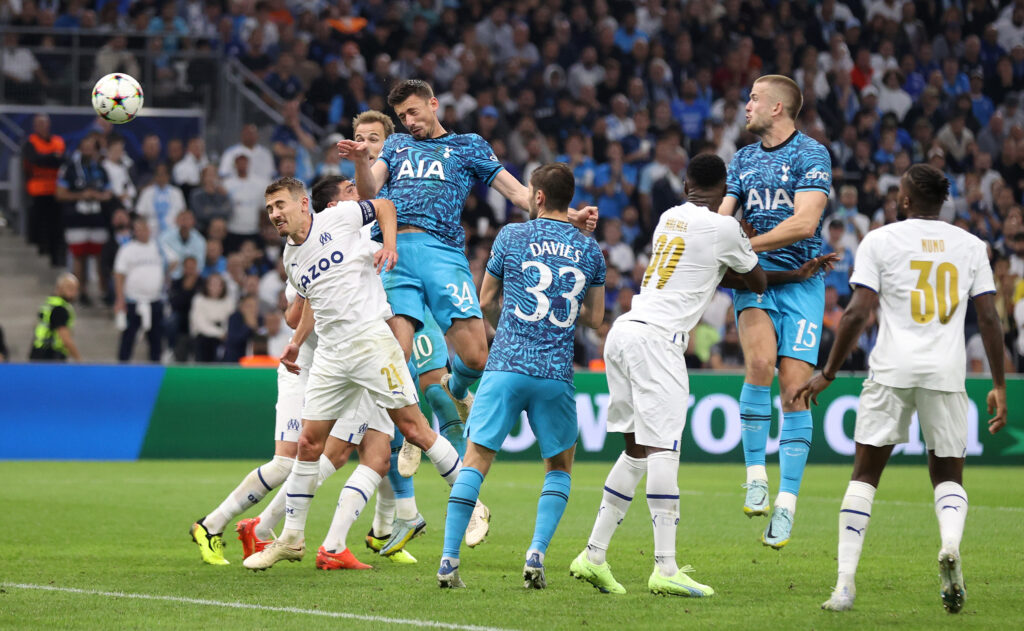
<point x="624" y="92"/>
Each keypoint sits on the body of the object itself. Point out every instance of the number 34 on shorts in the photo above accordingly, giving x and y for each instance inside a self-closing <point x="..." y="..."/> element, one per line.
<point x="463" y="298"/>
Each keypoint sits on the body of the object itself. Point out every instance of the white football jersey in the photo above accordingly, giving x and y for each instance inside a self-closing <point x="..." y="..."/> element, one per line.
<point x="308" y="347"/>
<point x="333" y="270"/>
<point x="691" y="251"/>
<point x="924" y="271"/>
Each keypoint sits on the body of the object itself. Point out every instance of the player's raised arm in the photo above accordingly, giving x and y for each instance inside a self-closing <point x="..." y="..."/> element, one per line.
<point x="370" y="177"/>
<point x="825" y="262"/>
<point x="387" y="219"/>
<point x="512" y="189"/>
<point x="808" y="206"/>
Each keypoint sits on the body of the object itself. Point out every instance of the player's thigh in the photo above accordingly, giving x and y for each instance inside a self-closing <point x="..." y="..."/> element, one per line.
<point x="499" y="403"/>
<point x="551" y="411"/>
<point x="403" y="284"/>
<point x="291" y="390"/>
<point x="620" y="389"/>
<point x="758" y="338"/>
<point x="429" y="349"/>
<point x="661" y="392"/>
<point x="883" y="415"/>
<point x="801" y="308"/>
<point x="380" y="368"/>
<point x="354" y="423"/>
<point x="448" y="285"/>
<point x="375" y="451"/>
<point x="469" y="339"/>
<point x="329" y="394"/>
<point x="943" y="420"/>
<point x="338" y="450"/>
<point x="793" y="373"/>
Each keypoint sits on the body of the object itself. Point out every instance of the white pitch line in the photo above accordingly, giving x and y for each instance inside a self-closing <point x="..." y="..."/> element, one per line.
<point x="237" y="605"/>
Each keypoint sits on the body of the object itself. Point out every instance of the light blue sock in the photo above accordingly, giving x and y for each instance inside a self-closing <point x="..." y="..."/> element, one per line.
<point x="794" y="445"/>
<point x="755" y="420"/>
<point x="461" y="503"/>
<point x="402" y="485"/>
<point x="452" y="426"/>
<point x="462" y="377"/>
<point x="553" y="498"/>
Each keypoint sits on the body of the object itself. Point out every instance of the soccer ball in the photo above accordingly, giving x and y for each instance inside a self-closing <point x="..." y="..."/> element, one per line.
<point x="117" y="98"/>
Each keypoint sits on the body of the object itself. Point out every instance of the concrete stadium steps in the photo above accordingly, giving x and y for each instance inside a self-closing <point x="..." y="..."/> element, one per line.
<point x="26" y="279"/>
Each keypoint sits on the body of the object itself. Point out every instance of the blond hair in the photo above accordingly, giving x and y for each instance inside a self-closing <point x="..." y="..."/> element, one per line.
<point x="788" y="92"/>
<point x="373" y="116"/>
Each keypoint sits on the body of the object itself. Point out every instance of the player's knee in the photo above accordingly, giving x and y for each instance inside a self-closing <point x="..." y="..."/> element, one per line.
<point x="475" y="358"/>
<point x="309" y="448"/>
<point x="760" y="368"/>
<point x="788" y="402"/>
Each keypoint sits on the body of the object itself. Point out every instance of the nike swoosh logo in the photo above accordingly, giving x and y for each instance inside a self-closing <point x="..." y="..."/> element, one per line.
<point x="402" y="150"/>
<point x="422" y="363"/>
<point x="797" y="348"/>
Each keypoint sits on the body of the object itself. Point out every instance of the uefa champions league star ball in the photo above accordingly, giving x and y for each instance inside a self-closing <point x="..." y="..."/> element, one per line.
<point x="117" y="98"/>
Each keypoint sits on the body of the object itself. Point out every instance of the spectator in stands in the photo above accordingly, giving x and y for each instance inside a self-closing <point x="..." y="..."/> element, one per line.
<point x="293" y="140"/>
<point x="120" y="233"/>
<point x="161" y="202"/>
<point x="187" y="172"/>
<point x="53" y="339"/>
<point x="243" y="325"/>
<point x="283" y="81"/>
<point x="180" y="296"/>
<point x="24" y="79"/>
<point x="839" y="241"/>
<point x="210" y="201"/>
<point x="183" y="242"/>
<point x="326" y="95"/>
<point x="84" y="189"/>
<point x="140" y="276"/>
<point x="727" y="354"/>
<point x="118" y="166"/>
<point x="145" y="167"/>
<point x="246" y="193"/>
<point x="208" y="317"/>
<point x="214" y="262"/>
<point x="261" y="160"/>
<point x="43" y="155"/>
<point x="114" y="56"/>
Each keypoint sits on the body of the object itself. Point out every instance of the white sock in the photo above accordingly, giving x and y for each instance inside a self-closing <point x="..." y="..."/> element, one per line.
<point x="663" y="502"/>
<point x="384" y="514"/>
<point x="445" y="459"/>
<point x="854" y="515"/>
<point x="619" y="487"/>
<point x="786" y="500"/>
<point x="406" y="508"/>
<point x="951" y="510"/>
<point x="274" y="512"/>
<point x="298" y="495"/>
<point x="357" y="491"/>
<point x="260" y="481"/>
<point x="757" y="472"/>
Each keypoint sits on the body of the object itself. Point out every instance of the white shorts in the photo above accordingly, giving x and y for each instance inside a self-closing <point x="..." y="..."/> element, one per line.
<point x="368" y="416"/>
<point x="884" y="414"/>
<point x="372" y="363"/>
<point x="648" y="384"/>
<point x="76" y="236"/>
<point x="290" y="391"/>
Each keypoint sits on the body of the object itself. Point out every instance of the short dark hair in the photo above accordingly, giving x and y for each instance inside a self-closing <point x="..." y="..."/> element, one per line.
<point x="295" y="187"/>
<point x="325" y="190"/>
<point x="557" y="182"/>
<point x="706" y="171"/>
<point x="927" y="187"/>
<point x="411" y="87"/>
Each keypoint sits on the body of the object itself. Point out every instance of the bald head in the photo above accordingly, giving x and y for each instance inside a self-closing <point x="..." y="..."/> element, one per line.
<point x="67" y="286"/>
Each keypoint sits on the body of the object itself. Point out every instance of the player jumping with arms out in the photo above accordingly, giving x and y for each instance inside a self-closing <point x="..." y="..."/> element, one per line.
<point x="332" y="267"/>
<point x="693" y="247"/>
<point x="543" y="277"/>
<point x="781" y="185"/>
<point x="918" y="275"/>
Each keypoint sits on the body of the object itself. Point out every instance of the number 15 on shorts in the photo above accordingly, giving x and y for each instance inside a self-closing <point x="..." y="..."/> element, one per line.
<point x="806" y="338"/>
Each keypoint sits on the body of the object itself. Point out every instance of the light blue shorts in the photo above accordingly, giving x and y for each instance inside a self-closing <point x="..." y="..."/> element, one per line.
<point x="431" y="276"/>
<point x="429" y="350"/>
<point x="796" y="310"/>
<point x="550" y="406"/>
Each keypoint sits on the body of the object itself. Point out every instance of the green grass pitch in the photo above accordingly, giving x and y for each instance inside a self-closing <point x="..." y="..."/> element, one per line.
<point x="122" y="527"/>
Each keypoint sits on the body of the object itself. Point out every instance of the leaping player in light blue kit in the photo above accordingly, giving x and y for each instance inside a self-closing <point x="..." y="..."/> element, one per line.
<point x="543" y="278"/>
<point x="428" y="174"/>
<point x="781" y="185"/>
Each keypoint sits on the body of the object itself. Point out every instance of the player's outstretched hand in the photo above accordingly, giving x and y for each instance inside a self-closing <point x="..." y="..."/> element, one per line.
<point x="385" y="260"/>
<point x="996" y="405"/>
<point x="825" y="263"/>
<point x="811" y="389"/>
<point x="288" y="357"/>
<point x="353" y="150"/>
<point x="748" y="229"/>
<point x="584" y="218"/>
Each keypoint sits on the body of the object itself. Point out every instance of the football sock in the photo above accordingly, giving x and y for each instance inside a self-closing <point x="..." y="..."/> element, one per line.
<point x="461" y="503"/>
<point x="663" y="502"/>
<point x="533" y="551"/>
<point x="451" y="425"/>
<point x="384" y="513"/>
<point x="299" y="491"/>
<point x="951" y="510"/>
<point x="254" y="487"/>
<point x="403" y="487"/>
<point x="794" y="445"/>
<point x="274" y="511"/>
<point x="619" y="487"/>
<point x="462" y="378"/>
<point x="445" y="459"/>
<point x="755" y="421"/>
<point x="356" y="492"/>
<point x="853" y="527"/>
<point x="553" y="497"/>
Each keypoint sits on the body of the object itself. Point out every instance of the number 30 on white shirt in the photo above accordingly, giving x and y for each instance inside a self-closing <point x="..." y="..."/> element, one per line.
<point x="544" y="303"/>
